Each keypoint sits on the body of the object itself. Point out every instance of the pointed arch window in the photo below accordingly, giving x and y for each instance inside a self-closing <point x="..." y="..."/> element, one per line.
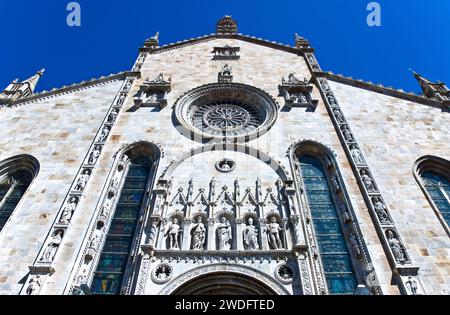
<point x="334" y="253"/>
<point x="433" y="176"/>
<point x="16" y="175"/>
<point x="439" y="189"/>
<point x="115" y="254"/>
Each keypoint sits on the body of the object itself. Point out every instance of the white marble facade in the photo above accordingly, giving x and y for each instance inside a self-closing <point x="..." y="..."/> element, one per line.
<point x="202" y="186"/>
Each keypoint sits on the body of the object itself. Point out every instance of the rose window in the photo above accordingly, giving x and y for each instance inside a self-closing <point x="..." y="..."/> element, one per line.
<point x="226" y="111"/>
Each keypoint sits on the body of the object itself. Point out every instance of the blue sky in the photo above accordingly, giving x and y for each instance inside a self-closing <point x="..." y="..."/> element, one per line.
<point x="414" y="34"/>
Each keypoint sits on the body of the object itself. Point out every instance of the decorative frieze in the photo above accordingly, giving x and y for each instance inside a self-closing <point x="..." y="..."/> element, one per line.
<point x="44" y="262"/>
<point x="387" y="231"/>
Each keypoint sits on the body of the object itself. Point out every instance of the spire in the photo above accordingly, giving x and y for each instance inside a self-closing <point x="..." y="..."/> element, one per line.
<point x="18" y="90"/>
<point x="437" y="90"/>
<point x="33" y="81"/>
<point x="302" y="43"/>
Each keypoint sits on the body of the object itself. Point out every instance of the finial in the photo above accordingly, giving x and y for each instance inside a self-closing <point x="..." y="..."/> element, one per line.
<point x="226" y="26"/>
<point x="41" y="72"/>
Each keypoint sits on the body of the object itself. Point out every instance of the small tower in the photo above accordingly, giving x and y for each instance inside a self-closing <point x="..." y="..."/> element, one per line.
<point x="438" y="90"/>
<point x="17" y="90"/>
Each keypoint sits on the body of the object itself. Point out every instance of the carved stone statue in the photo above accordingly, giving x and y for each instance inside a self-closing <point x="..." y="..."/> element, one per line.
<point x="112" y="117"/>
<point x="411" y="284"/>
<point x="395" y="246"/>
<point x="107" y="205"/>
<point x="172" y="234"/>
<point x="251" y="236"/>
<point x="273" y="230"/>
<point x="368" y="181"/>
<point x="153" y="229"/>
<point x="198" y="234"/>
<point x="95" y="241"/>
<point x="121" y="99"/>
<point x="380" y="209"/>
<point x="338" y="115"/>
<point x="82" y="181"/>
<point x="68" y="210"/>
<point x="52" y="246"/>
<point x="34" y="285"/>
<point x="93" y="157"/>
<point x="224" y="236"/>
<point x="356" y="154"/>
<point x="104" y="135"/>
<point x="355" y="244"/>
<point x="331" y="99"/>
<point x="347" y="134"/>
<point x="335" y="182"/>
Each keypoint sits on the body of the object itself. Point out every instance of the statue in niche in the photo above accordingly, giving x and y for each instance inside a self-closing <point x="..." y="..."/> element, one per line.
<point x="172" y="234"/>
<point x="395" y="246"/>
<point x="68" y="210"/>
<point x="355" y="244"/>
<point x="93" y="157"/>
<point x="95" y="241"/>
<point x="411" y="284"/>
<point x="153" y="229"/>
<point x="82" y="181"/>
<point x="121" y="99"/>
<point x="34" y="285"/>
<point x="347" y="134"/>
<point x="104" y="135"/>
<point x="273" y="230"/>
<point x="338" y="115"/>
<point x="198" y="234"/>
<point x="368" y="181"/>
<point x="251" y="236"/>
<point x="224" y="235"/>
<point x="331" y="99"/>
<point x="380" y="209"/>
<point x="335" y="182"/>
<point x="112" y="117"/>
<point x="152" y="98"/>
<point x="52" y="246"/>
<point x="127" y="86"/>
<point x="226" y="70"/>
<point x="107" y="205"/>
<point x="325" y="86"/>
<point x="356" y="154"/>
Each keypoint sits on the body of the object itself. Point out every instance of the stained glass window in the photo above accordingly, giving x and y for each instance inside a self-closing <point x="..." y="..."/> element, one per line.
<point x="12" y="189"/>
<point x="334" y="253"/>
<point x="439" y="189"/>
<point x="114" y="256"/>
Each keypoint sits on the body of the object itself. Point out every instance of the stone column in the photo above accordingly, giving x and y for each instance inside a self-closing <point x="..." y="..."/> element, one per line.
<point x="211" y="240"/>
<point x="239" y="234"/>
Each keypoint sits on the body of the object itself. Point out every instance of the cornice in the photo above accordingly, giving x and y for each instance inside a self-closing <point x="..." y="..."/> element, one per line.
<point x="378" y="88"/>
<point x="72" y="88"/>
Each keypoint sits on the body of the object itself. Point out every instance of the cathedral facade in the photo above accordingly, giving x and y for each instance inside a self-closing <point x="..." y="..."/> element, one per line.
<point x="224" y="164"/>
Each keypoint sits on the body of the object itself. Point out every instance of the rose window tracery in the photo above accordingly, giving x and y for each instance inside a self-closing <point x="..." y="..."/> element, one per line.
<point x="229" y="110"/>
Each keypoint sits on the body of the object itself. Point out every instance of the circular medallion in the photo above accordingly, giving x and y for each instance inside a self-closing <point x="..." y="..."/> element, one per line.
<point x="284" y="274"/>
<point x="162" y="273"/>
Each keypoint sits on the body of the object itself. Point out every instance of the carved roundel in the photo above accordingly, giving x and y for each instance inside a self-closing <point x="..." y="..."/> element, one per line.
<point x="284" y="274"/>
<point x="226" y="166"/>
<point x="226" y="111"/>
<point x="162" y="273"/>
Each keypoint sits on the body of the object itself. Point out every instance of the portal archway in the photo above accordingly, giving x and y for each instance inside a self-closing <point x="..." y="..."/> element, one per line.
<point x="224" y="279"/>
